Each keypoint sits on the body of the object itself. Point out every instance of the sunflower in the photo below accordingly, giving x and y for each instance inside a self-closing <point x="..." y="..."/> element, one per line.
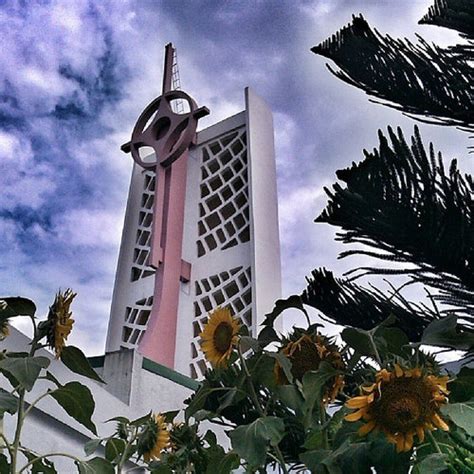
<point x="59" y="321"/>
<point x="401" y="403"/>
<point x="219" y="336"/>
<point x="307" y="353"/>
<point x="154" y="438"/>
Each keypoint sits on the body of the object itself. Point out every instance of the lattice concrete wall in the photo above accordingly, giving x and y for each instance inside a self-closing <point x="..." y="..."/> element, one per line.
<point x="136" y="320"/>
<point x="223" y="223"/>
<point x="229" y="288"/>
<point x="142" y="240"/>
<point x="224" y="203"/>
<point x="136" y="316"/>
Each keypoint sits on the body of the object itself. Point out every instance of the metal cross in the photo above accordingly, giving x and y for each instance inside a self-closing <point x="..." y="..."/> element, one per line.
<point x="170" y="134"/>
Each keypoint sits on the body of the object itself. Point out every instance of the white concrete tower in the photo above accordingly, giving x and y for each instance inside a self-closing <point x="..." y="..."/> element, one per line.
<point x="200" y="231"/>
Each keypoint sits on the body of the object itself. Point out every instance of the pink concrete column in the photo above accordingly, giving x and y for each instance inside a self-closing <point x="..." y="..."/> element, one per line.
<point x="159" y="340"/>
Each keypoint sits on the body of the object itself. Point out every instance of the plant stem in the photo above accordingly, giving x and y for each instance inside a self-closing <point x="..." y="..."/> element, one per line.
<point x="19" y="424"/>
<point x="123" y="458"/>
<point x="281" y="459"/>
<point x="376" y="352"/>
<point x="254" y="396"/>
<point x="5" y="440"/>
<point x="434" y="442"/>
<point x="253" y="393"/>
<point x="64" y="455"/>
<point x="322" y="409"/>
<point x="32" y="405"/>
<point x="223" y="423"/>
<point x="21" y="407"/>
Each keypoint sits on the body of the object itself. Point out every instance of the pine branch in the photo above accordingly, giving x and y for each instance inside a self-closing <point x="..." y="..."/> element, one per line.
<point x="453" y="14"/>
<point x="401" y="202"/>
<point x="347" y="303"/>
<point x="419" y="79"/>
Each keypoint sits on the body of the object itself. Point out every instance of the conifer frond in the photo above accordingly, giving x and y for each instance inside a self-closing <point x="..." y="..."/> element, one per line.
<point x="419" y="79"/>
<point x="401" y="202"/>
<point x="349" y="304"/>
<point x="453" y="14"/>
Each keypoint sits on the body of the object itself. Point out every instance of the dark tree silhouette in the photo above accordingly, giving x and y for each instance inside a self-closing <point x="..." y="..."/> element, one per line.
<point x="401" y="203"/>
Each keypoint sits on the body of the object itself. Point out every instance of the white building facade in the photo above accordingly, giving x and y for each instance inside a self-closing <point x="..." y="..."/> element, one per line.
<point x="230" y="238"/>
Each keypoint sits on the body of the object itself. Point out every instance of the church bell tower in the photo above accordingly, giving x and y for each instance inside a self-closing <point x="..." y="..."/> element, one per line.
<point x="201" y="226"/>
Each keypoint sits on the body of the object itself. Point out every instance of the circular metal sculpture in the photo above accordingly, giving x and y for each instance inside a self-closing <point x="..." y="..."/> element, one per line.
<point x="169" y="133"/>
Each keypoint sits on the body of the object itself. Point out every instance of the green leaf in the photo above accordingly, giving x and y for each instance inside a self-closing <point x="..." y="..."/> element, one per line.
<point x="4" y="464"/>
<point x="217" y="460"/>
<point x="159" y="468"/>
<point x="315" y="440"/>
<point x="293" y="301"/>
<point x="118" y="419"/>
<point x="359" y="340"/>
<point x="313" y="459"/>
<point x="198" y="400"/>
<point x="16" y="306"/>
<point x="142" y="419"/>
<point x="114" y="449"/>
<point x="462" y="388"/>
<point x="432" y="464"/>
<point x="313" y="384"/>
<point x="384" y="457"/>
<point x="285" y="364"/>
<point x="210" y="437"/>
<point x="461" y="414"/>
<point x="390" y="340"/>
<point x="349" y="457"/>
<point x="261" y="368"/>
<point x="8" y="403"/>
<point x="249" y="343"/>
<point x="442" y="332"/>
<point x="169" y="416"/>
<point x="228" y="397"/>
<point x="77" y="401"/>
<point x="228" y="463"/>
<point x="25" y="369"/>
<point x="42" y="466"/>
<point x="267" y="335"/>
<point x="201" y="415"/>
<point x="75" y="360"/>
<point x="251" y="441"/>
<point x="95" y="466"/>
<point x="49" y="376"/>
<point x="91" y="446"/>
<point x="291" y="397"/>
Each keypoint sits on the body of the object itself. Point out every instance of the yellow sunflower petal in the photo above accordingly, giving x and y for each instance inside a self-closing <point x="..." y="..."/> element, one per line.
<point x="439" y="422"/>
<point x="408" y="441"/>
<point x="384" y="375"/>
<point x="400" y="437"/>
<point x="367" y="428"/>
<point x="420" y="433"/>
<point x="417" y="372"/>
<point x="358" y="402"/>
<point x="355" y="416"/>
<point x="398" y="370"/>
<point x="370" y="388"/>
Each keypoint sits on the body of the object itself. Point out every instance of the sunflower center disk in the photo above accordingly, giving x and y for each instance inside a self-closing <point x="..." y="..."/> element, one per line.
<point x="404" y="404"/>
<point x="223" y="337"/>
<point x="304" y="359"/>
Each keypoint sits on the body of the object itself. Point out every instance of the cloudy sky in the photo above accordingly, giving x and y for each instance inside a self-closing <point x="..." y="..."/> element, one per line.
<point x="75" y="75"/>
